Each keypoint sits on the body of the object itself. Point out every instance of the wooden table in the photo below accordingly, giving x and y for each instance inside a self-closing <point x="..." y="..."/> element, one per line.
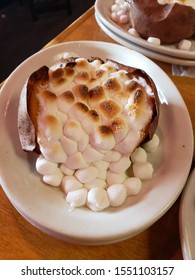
<point x="20" y="240"/>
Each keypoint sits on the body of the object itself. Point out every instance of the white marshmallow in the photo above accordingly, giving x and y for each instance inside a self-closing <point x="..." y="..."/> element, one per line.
<point x="62" y="104"/>
<point x="133" y="32"/>
<point x="154" y="40"/>
<point x="114" y="17"/>
<point x="102" y="175"/>
<point x="69" y="146"/>
<point x="44" y="166"/>
<point x="70" y="183"/>
<point x="53" y="151"/>
<point x="152" y="145"/>
<point x="76" y="112"/>
<point x="185" y="45"/>
<point x="76" y="161"/>
<point x="129" y="143"/>
<point x="112" y="156"/>
<point x="53" y="179"/>
<point x="89" y="122"/>
<point x="123" y="19"/>
<point x="62" y="117"/>
<point x="117" y="194"/>
<point x="139" y="155"/>
<point x="133" y="185"/>
<point x="115" y="178"/>
<point x="96" y="183"/>
<point x="50" y="127"/>
<point x="83" y="142"/>
<point x="90" y="154"/>
<point x="101" y="165"/>
<point x="73" y="130"/>
<point x="114" y="8"/>
<point x="86" y="174"/>
<point x="121" y="12"/>
<point x="119" y="2"/>
<point x="77" y="198"/>
<point x="121" y="165"/>
<point x="120" y="128"/>
<point x="97" y="199"/>
<point x="101" y="141"/>
<point x="143" y="170"/>
<point x="66" y="170"/>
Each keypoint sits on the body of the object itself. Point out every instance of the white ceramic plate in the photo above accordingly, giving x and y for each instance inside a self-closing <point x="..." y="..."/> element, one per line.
<point x="102" y="9"/>
<point x="149" y="53"/>
<point x="187" y="219"/>
<point x="45" y="207"/>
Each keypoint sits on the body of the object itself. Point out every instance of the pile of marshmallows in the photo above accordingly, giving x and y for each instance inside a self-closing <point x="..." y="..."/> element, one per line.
<point x="75" y="155"/>
<point x="120" y="11"/>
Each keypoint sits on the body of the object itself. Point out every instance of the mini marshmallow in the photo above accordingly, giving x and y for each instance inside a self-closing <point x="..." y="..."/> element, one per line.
<point x="53" y="179"/>
<point x="121" y="165"/>
<point x="102" y="175"/>
<point x="133" y="185"/>
<point x="133" y="32"/>
<point x="70" y="183"/>
<point x="50" y="127"/>
<point x="82" y="144"/>
<point x="152" y="145"/>
<point x="114" y="8"/>
<point x="90" y="154"/>
<point x="53" y="151"/>
<point x="102" y="138"/>
<point x="97" y="199"/>
<point x="66" y="170"/>
<point x="86" y="174"/>
<point x="115" y="178"/>
<point x="96" y="183"/>
<point x="90" y="121"/>
<point x="143" y="170"/>
<point x="120" y="13"/>
<point x="48" y="101"/>
<point x="76" y="161"/>
<point x="73" y="130"/>
<point x="62" y="117"/>
<point x="119" y="127"/>
<point x="129" y="143"/>
<point x="154" y="40"/>
<point x="44" y="166"/>
<point x="65" y="101"/>
<point x="123" y="19"/>
<point x="119" y="2"/>
<point x="78" y="111"/>
<point x="101" y="165"/>
<point x="116" y="194"/>
<point x="185" y="45"/>
<point x="112" y="156"/>
<point x="69" y="146"/>
<point x="139" y="155"/>
<point x="114" y="17"/>
<point x="77" y="198"/>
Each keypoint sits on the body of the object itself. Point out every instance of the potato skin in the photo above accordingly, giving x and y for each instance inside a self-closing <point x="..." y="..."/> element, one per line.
<point x="171" y="23"/>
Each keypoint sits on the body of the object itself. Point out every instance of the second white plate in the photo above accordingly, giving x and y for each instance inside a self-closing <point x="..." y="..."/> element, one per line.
<point x="102" y="9"/>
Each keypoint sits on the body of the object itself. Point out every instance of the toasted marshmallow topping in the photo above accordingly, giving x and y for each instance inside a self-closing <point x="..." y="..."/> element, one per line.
<point x="91" y="120"/>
